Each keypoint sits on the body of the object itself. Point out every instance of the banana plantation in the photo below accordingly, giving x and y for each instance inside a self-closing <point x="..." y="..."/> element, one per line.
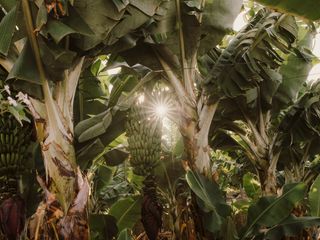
<point x="159" y="120"/>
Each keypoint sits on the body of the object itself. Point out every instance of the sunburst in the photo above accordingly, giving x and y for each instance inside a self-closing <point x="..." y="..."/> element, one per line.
<point x="159" y="105"/>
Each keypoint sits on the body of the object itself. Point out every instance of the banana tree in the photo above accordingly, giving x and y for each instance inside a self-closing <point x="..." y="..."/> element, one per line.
<point x="44" y="47"/>
<point x="257" y="86"/>
<point x="300" y="136"/>
<point x="171" y="53"/>
<point x="47" y="44"/>
<point x="246" y="74"/>
<point x="269" y="217"/>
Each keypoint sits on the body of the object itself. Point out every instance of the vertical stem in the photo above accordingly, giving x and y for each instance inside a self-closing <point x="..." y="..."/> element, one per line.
<point x="49" y="103"/>
<point x="35" y="47"/>
<point x="188" y="83"/>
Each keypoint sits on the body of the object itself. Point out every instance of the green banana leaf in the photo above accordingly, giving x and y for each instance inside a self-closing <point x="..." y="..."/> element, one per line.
<point x="291" y="227"/>
<point x="314" y="198"/>
<point x="103" y="177"/>
<point x="102" y="227"/>
<point x="124" y="235"/>
<point x="8" y="4"/>
<point x="229" y="230"/>
<point x="7" y="28"/>
<point x="270" y="211"/>
<point x="296" y="68"/>
<point x="308" y="9"/>
<point x="210" y="199"/>
<point x="127" y="212"/>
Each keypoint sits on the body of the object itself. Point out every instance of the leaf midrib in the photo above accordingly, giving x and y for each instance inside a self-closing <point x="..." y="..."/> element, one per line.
<point x="206" y="195"/>
<point x="125" y="213"/>
<point x="268" y="208"/>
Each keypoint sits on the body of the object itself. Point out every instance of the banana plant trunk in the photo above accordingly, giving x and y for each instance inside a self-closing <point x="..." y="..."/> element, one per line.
<point x="62" y="214"/>
<point x="66" y="189"/>
<point x="268" y="181"/>
<point x="195" y="136"/>
<point x="194" y="120"/>
<point x="265" y="159"/>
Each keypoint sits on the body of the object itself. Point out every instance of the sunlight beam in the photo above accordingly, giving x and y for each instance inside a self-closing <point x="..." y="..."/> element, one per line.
<point x="161" y="110"/>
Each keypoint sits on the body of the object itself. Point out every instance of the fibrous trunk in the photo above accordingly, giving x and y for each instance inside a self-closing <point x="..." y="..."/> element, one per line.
<point x="63" y="212"/>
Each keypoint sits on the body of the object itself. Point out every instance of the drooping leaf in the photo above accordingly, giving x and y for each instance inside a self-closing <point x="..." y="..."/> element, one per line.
<point x="72" y="24"/>
<point x="25" y="67"/>
<point x="115" y="156"/>
<point x="97" y="129"/>
<point x="8" y="4"/>
<point x="291" y="227"/>
<point x="301" y="120"/>
<point x="211" y="200"/>
<point x="248" y="69"/>
<point x="307" y="10"/>
<point x="113" y="20"/>
<point x="229" y="230"/>
<point x="127" y="212"/>
<point x="103" y="177"/>
<point x="121" y="4"/>
<point x="42" y="17"/>
<point x="116" y="128"/>
<point x="295" y="70"/>
<point x="102" y="227"/>
<point x="314" y="198"/>
<point x="56" y="59"/>
<point x="105" y="17"/>
<point x="270" y="211"/>
<point x="92" y="94"/>
<point x="87" y="123"/>
<point x="124" y="235"/>
<point x="7" y="28"/>
<point x="218" y="18"/>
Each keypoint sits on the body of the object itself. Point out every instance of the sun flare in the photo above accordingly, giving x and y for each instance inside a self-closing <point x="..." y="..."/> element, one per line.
<point x="161" y="110"/>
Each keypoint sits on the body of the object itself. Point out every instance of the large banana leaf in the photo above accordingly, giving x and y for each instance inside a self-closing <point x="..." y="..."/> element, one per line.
<point x="24" y="73"/>
<point x="8" y="4"/>
<point x="124" y="235"/>
<point x="208" y="30"/>
<point x="314" y="198"/>
<point x="307" y="9"/>
<point x="291" y="227"/>
<point x="270" y="211"/>
<point x="111" y="20"/>
<point x="127" y="212"/>
<point x="102" y="227"/>
<point x="96" y="132"/>
<point x="7" y="28"/>
<point x="296" y="68"/>
<point x="249" y="67"/>
<point x="211" y="200"/>
<point x="301" y="121"/>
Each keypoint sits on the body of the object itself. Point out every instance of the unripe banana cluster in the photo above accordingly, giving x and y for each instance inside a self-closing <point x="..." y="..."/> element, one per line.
<point x="8" y="187"/>
<point x="14" y="142"/>
<point x="144" y="139"/>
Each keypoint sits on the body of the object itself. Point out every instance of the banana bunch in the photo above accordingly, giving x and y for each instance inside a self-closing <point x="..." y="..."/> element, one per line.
<point x="8" y="187"/>
<point x="144" y="138"/>
<point x="14" y="143"/>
